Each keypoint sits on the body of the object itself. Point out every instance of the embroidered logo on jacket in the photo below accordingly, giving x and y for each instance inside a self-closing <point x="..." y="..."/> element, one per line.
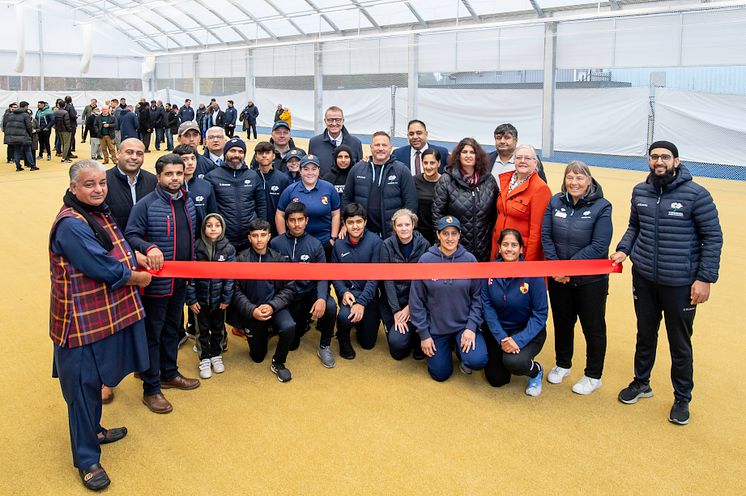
<point x="524" y="288"/>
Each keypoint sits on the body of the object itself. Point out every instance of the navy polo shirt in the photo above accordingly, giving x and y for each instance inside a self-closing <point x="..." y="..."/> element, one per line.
<point x="320" y="201"/>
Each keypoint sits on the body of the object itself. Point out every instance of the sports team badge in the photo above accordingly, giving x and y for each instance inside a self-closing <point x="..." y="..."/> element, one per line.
<point x="524" y="288"/>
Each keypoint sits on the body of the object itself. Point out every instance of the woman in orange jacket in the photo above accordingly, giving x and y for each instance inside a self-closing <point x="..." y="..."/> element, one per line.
<point x="521" y="203"/>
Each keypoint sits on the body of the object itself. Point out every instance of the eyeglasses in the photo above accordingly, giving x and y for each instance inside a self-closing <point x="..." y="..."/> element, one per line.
<point x="334" y="120"/>
<point x="665" y="157"/>
<point x="215" y="136"/>
<point x="524" y="158"/>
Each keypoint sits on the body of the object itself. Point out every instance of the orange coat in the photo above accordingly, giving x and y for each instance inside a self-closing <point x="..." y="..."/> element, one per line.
<point x="522" y="209"/>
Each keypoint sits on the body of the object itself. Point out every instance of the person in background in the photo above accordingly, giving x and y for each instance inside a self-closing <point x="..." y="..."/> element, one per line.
<point x="158" y="114"/>
<point x="45" y="117"/>
<point x="425" y="183"/>
<point x="405" y="245"/>
<point x="577" y="226"/>
<point x="70" y="108"/>
<point x="466" y="191"/>
<point x="248" y="117"/>
<point x="291" y="164"/>
<point x="92" y="126"/>
<point x="457" y="328"/>
<point x="521" y="204"/>
<point x="147" y="124"/>
<point x="63" y="129"/>
<point x="335" y="135"/>
<point x="186" y="112"/>
<point x="127" y="124"/>
<point x="515" y="311"/>
<point x="230" y="118"/>
<point x="209" y="298"/>
<point x="503" y="158"/>
<point x="87" y="111"/>
<point x="172" y="125"/>
<point x="283" y="114"/>
<point x="337" y="176"/>
<point x="107" y="123"/>
<point x="411" y="155"/>
<point x="188" y="134"/>
<point x="18" y="132"/>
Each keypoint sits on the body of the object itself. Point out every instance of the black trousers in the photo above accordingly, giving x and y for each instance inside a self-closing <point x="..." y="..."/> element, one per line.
<point x="501" y="366"/>
<point x="146" y="140"/>
<point x="251" y="126"/>
<point x="85" y="132"/>
<point x="367" y="327"/>
<point x="587" y="302"/>
<point x="300" y="310"/>
<point x="44" y="142"/>
<point x="229" y="131"/>
<point x="257" y="334"/>
<point x="674" y="302"/>
<point x="210" y="331"/>
<point x="162" y="319"/>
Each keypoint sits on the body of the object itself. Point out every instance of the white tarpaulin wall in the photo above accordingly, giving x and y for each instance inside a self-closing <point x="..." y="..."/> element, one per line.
<point x="706" y="127"/>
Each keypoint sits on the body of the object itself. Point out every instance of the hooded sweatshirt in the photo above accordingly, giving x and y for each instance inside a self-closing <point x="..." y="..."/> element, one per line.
<point x="445" y="306"/>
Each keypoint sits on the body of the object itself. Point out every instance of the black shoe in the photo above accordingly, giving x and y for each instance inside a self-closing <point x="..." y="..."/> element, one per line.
<point x="40" y="157"/>
<point x="94" y="477"/>
<point x="112" y="435"/>
<point x="346" y="350"/>
<point x="418" y="354"/>
<point x="679" y="412"/>
<point x="282" y="373"/>
<point x="72" y="156"/>
<point x="636" y="390"/>
<point x="34" y="168"/>
<point x="19" y="169"/>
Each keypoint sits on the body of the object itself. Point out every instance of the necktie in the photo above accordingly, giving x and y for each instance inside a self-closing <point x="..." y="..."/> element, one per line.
<point x="417" y="163"/>
<point x="219" y="162"/>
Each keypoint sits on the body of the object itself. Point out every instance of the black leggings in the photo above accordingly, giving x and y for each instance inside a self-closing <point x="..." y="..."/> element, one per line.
<point x="501" y="366"/>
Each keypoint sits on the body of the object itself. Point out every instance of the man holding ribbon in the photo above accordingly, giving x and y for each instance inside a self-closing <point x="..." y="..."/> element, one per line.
<point x="674" y="240"/>
<point x="96" y="317"/>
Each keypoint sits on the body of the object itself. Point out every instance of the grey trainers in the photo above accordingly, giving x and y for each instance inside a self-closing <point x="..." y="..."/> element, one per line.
<point x="326" y="356"/>
<point x="464" y="369"/>
<point x="282" y="373"/>
<point x="679" y="412"/>
<point x="636" y="390"/>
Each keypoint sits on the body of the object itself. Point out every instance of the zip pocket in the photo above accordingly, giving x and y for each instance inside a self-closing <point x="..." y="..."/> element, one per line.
<point x="168" y="225"/>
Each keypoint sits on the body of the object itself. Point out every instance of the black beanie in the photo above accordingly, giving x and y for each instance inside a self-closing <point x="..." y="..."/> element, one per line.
<point x="667" y="145"/>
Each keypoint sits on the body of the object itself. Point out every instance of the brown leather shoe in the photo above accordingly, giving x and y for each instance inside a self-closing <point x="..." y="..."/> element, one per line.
<point x="180" y="382"/>
<point x="157" y="403"/>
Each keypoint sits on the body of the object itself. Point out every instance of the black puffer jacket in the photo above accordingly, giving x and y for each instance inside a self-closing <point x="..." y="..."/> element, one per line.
<point x="17" y="128"/>
<point x="212" y="292"/>
<point x="249" y="294"/>
<point x="338" y="178"/>
<point x="474" y="207"/>
<point x="397" y="292"/>
<point x="674" y="235"/>
<point x="580" y="231"/>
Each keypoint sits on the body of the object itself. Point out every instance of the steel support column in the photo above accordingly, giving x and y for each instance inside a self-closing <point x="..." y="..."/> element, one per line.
<point x="318" y="89"/>
<point x="550" y="62"/>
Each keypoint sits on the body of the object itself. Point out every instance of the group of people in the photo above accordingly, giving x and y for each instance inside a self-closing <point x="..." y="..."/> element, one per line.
<point x="418" y="204"/>
<point x="28" y="134"/>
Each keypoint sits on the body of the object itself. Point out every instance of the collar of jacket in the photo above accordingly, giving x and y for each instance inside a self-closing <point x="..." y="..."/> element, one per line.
<point x="167" y="196"/>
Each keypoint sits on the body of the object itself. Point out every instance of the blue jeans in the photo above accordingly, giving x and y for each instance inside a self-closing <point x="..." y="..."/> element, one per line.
<point x="25" y="152"/>
<point x="158" y="137"/>
<point x="440" y="365"/>
<point x="169" y="140"/>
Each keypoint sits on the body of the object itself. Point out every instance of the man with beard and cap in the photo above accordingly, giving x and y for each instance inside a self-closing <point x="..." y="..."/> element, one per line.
<point x="96" y="316"/>
<point x="674" y="240"/>
<point x="239" y="193"/>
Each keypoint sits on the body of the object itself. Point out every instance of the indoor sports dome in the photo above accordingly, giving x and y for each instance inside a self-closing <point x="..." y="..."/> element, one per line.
<point x="642" y="94"/>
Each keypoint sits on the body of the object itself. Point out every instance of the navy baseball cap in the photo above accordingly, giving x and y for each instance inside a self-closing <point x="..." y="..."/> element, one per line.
<point x="448" y="221"/>
<point x="310" y="159"/>
<point x="281" y="124"/>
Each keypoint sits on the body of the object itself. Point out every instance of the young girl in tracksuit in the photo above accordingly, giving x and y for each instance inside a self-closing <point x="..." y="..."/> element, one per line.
<point x="208" y="298"/>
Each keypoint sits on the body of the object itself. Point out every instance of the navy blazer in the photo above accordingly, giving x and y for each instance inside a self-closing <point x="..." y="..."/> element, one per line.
<point x="403" y="155"/>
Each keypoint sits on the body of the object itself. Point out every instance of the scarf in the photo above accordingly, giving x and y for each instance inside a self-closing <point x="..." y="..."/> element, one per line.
<point x="472" y="179"/>
<point x="83" y="209"/>
<point x="515" y="182"/>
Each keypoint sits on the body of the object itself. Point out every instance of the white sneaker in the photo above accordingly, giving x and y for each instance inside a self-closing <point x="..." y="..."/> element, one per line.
<point x="586" y="385"/>
<point x="556" y="375"/>
<point x="204" y="369"/>
<point x="217" y="364"/>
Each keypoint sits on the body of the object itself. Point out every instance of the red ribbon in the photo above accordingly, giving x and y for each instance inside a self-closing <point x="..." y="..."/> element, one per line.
<point x="383" y="271"/>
